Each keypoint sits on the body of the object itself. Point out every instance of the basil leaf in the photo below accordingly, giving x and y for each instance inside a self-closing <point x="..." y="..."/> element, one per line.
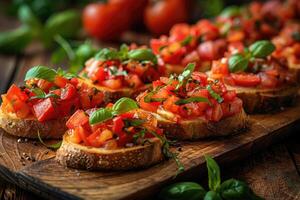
<point x="237" y="63"/>
<point x="116" y="72"/>
<point x="261" y="49"/>
<point x="142" y="55"/>
<point x="107" y="54"/>
<point x="231" y="11"/>
<point x="183" y="191"/>
<point x="124" y="105"/>
<point x="214" y="179"/>
<point x="296" y="36"/>
<point x="65" y="74"/>
<point x="186" y="40"/>
<point x="191" y="99"/>
<point x="186" y="74"/>
<point x="16" y="40"/>
<point x="100" y="115"/>
<point x="134" y="122"/>
<point x="66" y="23"/>
<point x="214" y="94"/>
<point x="41" y="72"/>
<point x="51" y="146"/>
<point x="212" y="195"/>
<point x="234" y="190"/>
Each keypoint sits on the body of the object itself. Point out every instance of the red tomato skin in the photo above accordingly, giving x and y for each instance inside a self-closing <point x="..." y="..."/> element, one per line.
<point x="118" y="125"/>
<point x="246" y="80"/>
<point x="160" y="17"/>
<point x="44" y="110"/>
<point x="14" y="92"/>
<point x="68" y="92"/>
<point x="105" y="21"/>
<point x="79" y="118"/>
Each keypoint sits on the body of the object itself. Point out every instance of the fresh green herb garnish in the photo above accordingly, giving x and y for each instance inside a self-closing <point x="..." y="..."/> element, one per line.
<point x="192" y="99"/>
<point x="123" y="105"/>
<point x="51" y="146"/>
<point x="231" y="11"/>
<point x="237" y="63"/>
<point x="41" y="72"/>
<point x="186" y="74"/>
<point x="46" y="73"/>
<point x="40" y="94"/>
<point x="186" y="40"/>
<point x="230" y="189"/>
<point x="142" y="55"/>
<point x="296" y="36"/>
<point x="214" y="94"/>
<point x="259" y="49"/>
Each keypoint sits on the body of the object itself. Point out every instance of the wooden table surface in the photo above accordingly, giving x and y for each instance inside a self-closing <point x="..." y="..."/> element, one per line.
<point x="273" y="174"/>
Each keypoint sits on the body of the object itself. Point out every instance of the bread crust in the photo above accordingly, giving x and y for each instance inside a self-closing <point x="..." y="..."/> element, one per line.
<point x="91" y="158"/>
<point x="29" y="128"/>
<point x="266" y="100"/>
<point x="200" y="128"/>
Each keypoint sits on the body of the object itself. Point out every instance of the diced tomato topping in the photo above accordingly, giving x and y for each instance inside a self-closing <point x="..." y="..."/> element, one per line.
<point x="118" y="125"/>
<point x="201" y="77"/>
<point x="74" y="136"/>
<point x="268" y="81"/>
<point x="83" y="134"/>
<point x="60" y="81"/>
<point x="220" y="67"/>
<point x="152" y="106"/>
<point x="79" y="118"/>
<point x="157" y="83"/>
<point x="68" y="92"/>
<point x="113" y="83"/>
<point x="246" y="80"/>
<point x="99" y="75"/>
<point x="170" y="105"/>
<point x="44" y="85"/>
<point x="133" y="81"/>
<point x="14" y="93"/>
<point x="44" y="110"/>
<point x="215" y="113"/>
<point x="229" y="96"/>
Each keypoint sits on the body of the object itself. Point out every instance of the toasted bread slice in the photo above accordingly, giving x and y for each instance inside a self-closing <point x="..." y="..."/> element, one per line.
<point x="200" y="128"/>
<point x="31" y="127"/>
<point x="111" y="95"/>
<point x="265" y="100"/>
<point x="91" y="158"/>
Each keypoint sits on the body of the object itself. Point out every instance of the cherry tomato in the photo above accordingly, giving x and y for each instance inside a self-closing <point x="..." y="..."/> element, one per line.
<point x="160" y="16"/>
<point x="105" y="21"/>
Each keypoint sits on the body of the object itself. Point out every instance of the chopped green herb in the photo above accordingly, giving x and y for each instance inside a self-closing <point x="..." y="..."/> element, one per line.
<point x="214" y="94"/>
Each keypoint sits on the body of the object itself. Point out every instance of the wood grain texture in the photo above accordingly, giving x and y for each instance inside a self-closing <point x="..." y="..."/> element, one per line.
<point x="49" y="179"/>
<point x="271" y="174"/>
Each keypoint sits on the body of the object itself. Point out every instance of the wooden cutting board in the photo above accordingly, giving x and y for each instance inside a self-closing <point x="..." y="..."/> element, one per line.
<point x="33" y="166"/>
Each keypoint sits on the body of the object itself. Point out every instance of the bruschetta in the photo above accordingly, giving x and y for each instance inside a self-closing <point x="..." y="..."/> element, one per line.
<point x="45" y="102"/>
<point x="260" y="80"/>
<point x="288" y="47"/>
<point x="125" y="72"/>
<point x="191" y="106"/>
<point x="118" y="137"/>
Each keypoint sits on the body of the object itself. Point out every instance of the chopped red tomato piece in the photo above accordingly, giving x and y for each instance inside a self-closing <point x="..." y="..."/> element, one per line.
<point x="246" y="80"/>
<point x="44" y="110"/>
<point x="113" y="83"/>
<point x="79" y="118"/>
<point x="118" y="125"/>
<point x="14" y="93"/>
<point x="60" y="81"/>
<point x="74" y="136"/>
<point x="68" y="92"/>
<point x="83" y="134"/>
